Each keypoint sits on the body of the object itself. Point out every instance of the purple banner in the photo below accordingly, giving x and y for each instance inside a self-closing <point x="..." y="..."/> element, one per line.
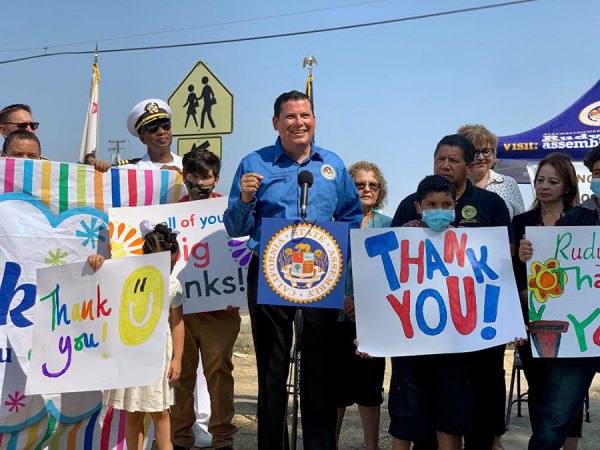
<point x="574" y="131"/>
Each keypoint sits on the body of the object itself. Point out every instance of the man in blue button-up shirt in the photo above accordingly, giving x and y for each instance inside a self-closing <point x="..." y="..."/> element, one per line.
<point x="266" y="185"/>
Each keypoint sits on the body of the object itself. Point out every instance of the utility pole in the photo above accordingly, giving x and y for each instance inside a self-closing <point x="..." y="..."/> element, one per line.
<point x="116" y="150"/>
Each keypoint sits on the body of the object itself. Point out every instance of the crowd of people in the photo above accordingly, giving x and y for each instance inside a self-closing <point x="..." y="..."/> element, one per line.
<point x="445" y="401"/>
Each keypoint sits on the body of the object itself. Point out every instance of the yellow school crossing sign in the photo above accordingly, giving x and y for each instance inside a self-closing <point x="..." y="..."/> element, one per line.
<point x="201" y="105"/>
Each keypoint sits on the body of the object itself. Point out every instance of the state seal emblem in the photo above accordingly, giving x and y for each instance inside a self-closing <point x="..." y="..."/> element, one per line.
<point x="302" y="263"/>
<point x="590" y="115"/>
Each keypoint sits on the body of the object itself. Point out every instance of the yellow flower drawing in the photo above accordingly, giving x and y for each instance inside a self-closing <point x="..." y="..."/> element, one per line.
<point x="545" y="280"/>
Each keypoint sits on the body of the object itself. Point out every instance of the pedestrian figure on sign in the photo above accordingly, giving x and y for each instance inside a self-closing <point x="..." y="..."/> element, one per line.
<point x="192" y="103"/>
<point x="208" y="96"/>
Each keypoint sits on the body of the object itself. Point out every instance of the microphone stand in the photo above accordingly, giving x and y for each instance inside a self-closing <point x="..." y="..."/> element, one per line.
<point x="297" y="360"/>
<point x="297" y="351"/>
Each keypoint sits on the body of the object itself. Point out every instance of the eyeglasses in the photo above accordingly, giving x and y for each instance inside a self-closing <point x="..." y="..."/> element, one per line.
<point x="364" y="184"/>
<point x="487" y="152"/>
<point x="153" y="127"/>
<point x="25" y="125"/>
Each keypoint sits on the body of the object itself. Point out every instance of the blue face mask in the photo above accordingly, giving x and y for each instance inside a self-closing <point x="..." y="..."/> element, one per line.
<point x="595" y="186"/>
<point x="438" y="219"/>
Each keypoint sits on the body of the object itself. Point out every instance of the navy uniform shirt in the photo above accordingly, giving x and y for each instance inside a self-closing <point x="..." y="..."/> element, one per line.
<point x="475" y="208"/>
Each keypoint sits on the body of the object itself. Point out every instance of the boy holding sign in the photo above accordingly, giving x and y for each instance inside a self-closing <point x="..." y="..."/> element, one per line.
<point x="453" y="159"/>
<point x="431" y="390"/>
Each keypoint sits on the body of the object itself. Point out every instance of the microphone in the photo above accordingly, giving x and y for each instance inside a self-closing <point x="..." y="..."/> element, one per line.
<point x="123" y="162"/>
<point x="305" y="180"/>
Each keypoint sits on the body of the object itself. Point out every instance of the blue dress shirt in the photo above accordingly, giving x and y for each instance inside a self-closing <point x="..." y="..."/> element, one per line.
<point x="278" y="195"/>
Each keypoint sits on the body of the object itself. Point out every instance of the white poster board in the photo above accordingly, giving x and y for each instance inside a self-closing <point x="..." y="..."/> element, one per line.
<point x="421" y="292"/>
<point x="212" y="266"/>
<point x="100" y="330"/>
<point x="563" y="280"/>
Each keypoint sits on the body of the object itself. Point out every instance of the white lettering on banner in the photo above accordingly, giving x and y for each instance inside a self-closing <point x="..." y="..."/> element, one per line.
<point x="591" y="143"/>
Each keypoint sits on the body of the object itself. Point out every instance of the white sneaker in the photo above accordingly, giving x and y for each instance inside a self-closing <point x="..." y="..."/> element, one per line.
<point x="202" y="438"/>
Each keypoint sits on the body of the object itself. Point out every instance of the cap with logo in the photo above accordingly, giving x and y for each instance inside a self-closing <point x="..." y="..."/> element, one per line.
<point x="145" y="112"/>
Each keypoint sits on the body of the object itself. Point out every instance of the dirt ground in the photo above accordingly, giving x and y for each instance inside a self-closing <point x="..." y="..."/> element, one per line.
<point x="351" y="436"/>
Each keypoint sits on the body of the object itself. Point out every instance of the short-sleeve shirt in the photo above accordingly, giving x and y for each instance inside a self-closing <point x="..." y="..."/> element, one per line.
<point x="508" y="189"/>
<point x="176" y="297"/>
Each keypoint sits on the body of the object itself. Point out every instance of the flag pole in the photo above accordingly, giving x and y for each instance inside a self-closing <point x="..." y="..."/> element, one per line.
<point x="309" y="61"/>
<point x="90" y="142"/>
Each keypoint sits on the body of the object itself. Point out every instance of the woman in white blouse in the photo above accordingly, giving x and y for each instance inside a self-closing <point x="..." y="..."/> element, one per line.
<point x="482" y="174"/>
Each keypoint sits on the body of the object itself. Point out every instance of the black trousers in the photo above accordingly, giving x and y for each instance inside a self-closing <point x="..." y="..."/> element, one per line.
<point x="489" y="397"/>
<point x="272" y="330"/>
<point x="488" y="386"/>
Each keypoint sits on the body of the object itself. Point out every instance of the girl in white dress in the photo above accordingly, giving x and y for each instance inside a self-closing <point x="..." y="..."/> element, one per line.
<point x="155" y="399"/>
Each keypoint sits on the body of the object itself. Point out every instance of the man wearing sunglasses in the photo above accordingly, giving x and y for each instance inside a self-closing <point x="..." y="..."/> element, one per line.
<point x="16" y="117"/>
<point x="150" y="121"/>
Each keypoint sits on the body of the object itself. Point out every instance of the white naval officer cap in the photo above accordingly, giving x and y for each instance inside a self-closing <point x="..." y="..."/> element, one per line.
<point x="145" y="112"/>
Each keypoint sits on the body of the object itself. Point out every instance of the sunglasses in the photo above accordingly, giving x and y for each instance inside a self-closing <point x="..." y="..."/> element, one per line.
<point x="25" y="125"/>
<point x="487" y="152"/>
<point x="372" y="186"/>
<point x="153" y="127"/>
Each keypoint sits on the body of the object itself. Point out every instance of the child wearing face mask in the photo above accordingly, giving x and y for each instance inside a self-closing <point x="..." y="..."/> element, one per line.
<point x="432" y="390"/>
<point x="436" y="200"/>
<point x="212" y="333"/>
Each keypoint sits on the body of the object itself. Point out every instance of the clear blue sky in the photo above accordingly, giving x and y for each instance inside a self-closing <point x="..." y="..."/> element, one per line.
<point x="386" y="93"/>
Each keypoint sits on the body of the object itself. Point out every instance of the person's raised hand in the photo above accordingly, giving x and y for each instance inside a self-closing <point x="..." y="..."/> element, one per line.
<point x="249" y="184"/>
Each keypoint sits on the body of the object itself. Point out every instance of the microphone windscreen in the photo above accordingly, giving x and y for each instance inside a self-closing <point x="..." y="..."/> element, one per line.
<point x="305" y="177"/>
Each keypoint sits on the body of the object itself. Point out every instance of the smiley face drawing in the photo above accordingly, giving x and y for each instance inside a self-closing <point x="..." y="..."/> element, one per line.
<point x="142" y="300"/>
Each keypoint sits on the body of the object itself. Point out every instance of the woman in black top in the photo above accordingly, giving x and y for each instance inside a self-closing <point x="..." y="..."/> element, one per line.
<point x="556" y="192"/>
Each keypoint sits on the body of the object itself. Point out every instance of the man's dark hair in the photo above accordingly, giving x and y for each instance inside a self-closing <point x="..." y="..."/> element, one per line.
<point x="201" y="162"/>
<point x="458" y="140"/>
<point x="435" y="183"/>
<point x="591" y="157"/>
<point x="21" y="135"/>
<point x="7" y="111"/>
<point x="288" y="96"/>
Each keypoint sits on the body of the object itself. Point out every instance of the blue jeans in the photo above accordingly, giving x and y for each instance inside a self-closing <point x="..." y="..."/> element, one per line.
<point x="567" y="381"/>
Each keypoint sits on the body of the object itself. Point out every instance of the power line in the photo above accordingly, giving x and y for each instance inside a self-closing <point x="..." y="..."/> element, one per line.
<point x="175" y="30"/>
<point x="273" y="36"/>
